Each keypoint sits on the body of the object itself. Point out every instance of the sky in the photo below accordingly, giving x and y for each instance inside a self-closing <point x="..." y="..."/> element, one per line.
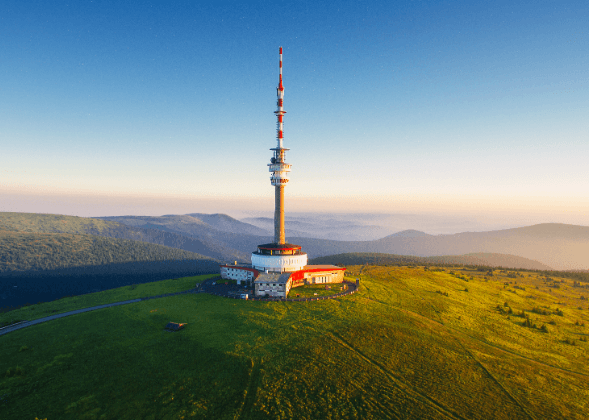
<point x="422" y="107"/>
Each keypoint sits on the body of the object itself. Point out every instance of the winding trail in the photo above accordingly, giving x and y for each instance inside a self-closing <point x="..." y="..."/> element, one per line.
<point x="204" y="287"/>
<point x="23" y="324"/>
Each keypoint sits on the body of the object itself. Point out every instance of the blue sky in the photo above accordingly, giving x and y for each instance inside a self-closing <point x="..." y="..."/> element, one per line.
<point x="431" y="106"/>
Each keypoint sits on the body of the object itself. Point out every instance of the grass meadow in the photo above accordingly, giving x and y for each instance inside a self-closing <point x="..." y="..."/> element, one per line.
<point x="131" y="292"/>
<point x="316" y="290"/>
<point x="411" y="344"/>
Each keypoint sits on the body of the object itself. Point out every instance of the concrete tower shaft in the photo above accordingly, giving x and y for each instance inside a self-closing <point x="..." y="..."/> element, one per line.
<point x="279" y="237"/>
<point x="278" y="166"/>
<point x="278" y="256"/>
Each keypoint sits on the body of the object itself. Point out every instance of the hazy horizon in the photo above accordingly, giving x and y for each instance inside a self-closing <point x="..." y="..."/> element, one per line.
<point x="430" y="222"/>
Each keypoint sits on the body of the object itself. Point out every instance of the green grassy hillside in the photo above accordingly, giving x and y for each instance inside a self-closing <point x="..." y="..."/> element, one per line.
<point x="414" y="344"/>
<point x="481" y="259"/>
<point x="21" y="251"/>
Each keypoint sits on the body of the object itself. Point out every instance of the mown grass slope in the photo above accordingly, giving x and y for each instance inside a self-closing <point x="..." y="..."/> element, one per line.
<point x="412" y="343"/>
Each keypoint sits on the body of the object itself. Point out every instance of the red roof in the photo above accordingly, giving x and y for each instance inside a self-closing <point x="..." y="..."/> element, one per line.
<point x="298" y="275"/>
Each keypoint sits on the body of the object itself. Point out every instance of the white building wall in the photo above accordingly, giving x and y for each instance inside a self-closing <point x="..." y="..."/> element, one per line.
<point x="279" y="263"/>
<point x="324" y="277"/>
<point x="236" y="273"/>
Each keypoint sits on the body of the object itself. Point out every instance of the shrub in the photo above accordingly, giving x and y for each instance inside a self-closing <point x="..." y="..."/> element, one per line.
<point x="528" y="323"/>
<point x="540" y="311"/>
<point x="544" y="328"/>
<point x="17" y="371"/>
<point x="559" y="312"/>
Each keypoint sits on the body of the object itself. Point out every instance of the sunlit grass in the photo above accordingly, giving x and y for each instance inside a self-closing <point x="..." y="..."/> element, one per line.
<point x="316" y="290"/>
<point x="396" y="349"/>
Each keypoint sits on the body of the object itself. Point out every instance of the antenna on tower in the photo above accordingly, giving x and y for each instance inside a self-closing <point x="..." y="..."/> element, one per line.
<point x="278" y="165"/>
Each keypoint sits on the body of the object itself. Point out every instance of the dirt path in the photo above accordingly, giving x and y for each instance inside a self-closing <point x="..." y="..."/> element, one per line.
<point x="14" y="327"/>
<point x="204" y="288"/>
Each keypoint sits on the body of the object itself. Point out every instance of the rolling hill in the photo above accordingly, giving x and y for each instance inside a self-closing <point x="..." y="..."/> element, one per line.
<point x="227" y="223"/>
<point x="206" y="244"/>
<point x="322" y="228"/>
<point x="480" y="259"/>
<point x="26" y="251"/>
<point x="411" y="344"/>
<point x="39" y="264"/>
<point x="559" y="246"/>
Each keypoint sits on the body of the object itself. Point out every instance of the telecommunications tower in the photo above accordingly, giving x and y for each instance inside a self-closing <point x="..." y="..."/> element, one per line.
<point x="278" y="166"/>
<point x="279" y="255"/>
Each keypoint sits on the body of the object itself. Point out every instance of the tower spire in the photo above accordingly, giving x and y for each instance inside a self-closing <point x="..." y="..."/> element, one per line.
<point x="278" y="166"/>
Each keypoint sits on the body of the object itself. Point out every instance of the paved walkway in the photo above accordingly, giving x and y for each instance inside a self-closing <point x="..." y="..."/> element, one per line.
<point x="214" y="286"/>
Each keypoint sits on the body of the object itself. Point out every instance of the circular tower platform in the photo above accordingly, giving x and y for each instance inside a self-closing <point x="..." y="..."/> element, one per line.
<point x="279" y="258"/>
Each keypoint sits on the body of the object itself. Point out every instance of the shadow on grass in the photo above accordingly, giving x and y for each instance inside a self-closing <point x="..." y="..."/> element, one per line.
<point x="44" y="286"/>
<point x="123" y="370"/>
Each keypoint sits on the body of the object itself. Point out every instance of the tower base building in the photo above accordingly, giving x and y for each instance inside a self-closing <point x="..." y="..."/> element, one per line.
<point x="279" y="266"/>
<point x="279" y="258"/>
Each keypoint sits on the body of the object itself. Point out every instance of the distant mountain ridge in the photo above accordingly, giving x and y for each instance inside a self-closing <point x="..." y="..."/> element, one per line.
<point x="137" y="229"/>
<point x="410" y="233"/>
<point x="562" y="247"/>
<point x="329" y="229"/>
<point x="227" y="223"/>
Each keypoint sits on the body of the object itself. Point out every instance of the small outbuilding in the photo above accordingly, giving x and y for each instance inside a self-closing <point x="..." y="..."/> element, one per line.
<point x="174" y="326"/>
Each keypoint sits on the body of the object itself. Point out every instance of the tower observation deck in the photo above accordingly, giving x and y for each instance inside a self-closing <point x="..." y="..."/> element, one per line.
<point x="279" y="255"/>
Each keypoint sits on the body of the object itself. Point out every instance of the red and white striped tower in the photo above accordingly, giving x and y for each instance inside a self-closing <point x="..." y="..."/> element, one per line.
<point x="278" y="167"/>
<point x="279" y="256"/>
